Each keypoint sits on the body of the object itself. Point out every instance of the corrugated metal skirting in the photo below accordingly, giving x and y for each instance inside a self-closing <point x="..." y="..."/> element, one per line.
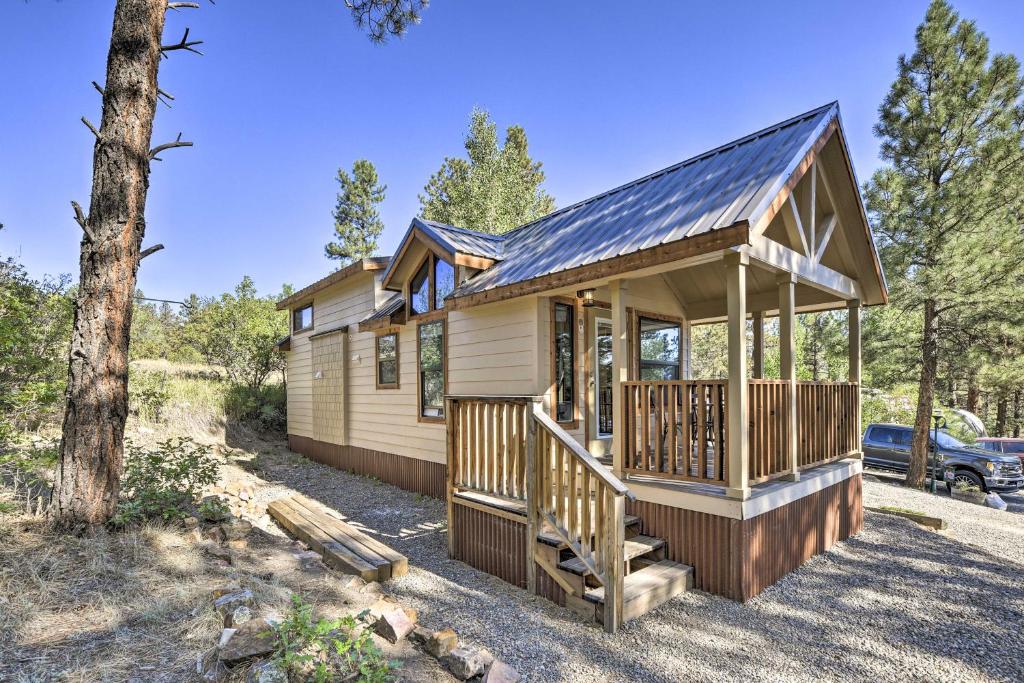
<point x="497" y="545"/>
<point x="419" y="476"/>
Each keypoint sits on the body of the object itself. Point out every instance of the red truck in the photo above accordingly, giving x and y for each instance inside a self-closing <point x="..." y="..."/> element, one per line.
<point x="1009" y="446"/>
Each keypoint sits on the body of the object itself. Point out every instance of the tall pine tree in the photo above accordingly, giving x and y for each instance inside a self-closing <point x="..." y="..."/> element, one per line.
<point x="495" y="189"/>
<point x="946" y="208"/>
<point x="357" y="222"/>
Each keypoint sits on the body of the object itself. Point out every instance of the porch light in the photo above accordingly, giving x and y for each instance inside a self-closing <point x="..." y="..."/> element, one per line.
<point x="588" y="297"/>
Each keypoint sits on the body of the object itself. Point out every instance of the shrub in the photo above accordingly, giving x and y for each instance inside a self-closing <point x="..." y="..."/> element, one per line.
<point x="163" y="483"/>
<point x="213" y="509"/>
<point x="328" y="650"/>
<point x="147" y="394"/>
<point x="264" y="408"/>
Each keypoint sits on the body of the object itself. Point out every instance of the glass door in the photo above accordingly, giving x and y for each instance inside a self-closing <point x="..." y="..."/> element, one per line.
<point x="603" y="377"/>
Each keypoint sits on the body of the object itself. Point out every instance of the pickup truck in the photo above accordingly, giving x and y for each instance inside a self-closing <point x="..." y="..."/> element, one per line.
<point x="888" y="446"/>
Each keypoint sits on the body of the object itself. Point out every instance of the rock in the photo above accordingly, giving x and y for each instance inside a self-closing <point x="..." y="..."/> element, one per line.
<point x="245" y="494"/>
<point x="224" y="590"/>
<point x="393" y="625"/>
<point x="411" y="614"/>
<point x="420" y="635"/>
<point x="209" y="667"/>
<point x="377" y="609"/>
<point x="227" y="604"/>
<point x="464" y="662"/>
<point x="237" y="543"/>
<point x="233" y="488"/>
<point x="371" y="587"/>
<point x="442" y="642"/>
<point x="352" y="582"/>
<point x="236" y="529"/>
<point x="190" y="522"/>
<point x="239" y="615"/>
<point x="217" y="552"/>
<point x="215" y="534"/>
<point x="500" y="672"/>
<point x="266" y="672"/>
<point x="254" y="638"/>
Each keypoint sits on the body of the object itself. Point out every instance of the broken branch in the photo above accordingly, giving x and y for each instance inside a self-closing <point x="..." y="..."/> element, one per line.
<point x="82" y="221"/>
<point x="183" y="44"/>
<point x="182" y="5"/>
<point x="99" y="89"/>
<point x="151" y="250"/>
<point x="163" y="96"/>
<point x="167" y="145"/>
<point x="91" y="127"/>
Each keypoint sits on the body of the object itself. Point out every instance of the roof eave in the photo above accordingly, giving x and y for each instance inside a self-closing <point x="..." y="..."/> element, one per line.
<point x="372" y="263"/>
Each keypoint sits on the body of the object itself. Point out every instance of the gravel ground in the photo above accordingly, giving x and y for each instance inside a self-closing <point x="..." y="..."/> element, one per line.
<point x="896" y="603"/>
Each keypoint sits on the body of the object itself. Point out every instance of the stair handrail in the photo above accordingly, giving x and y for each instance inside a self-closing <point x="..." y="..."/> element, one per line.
<point x="612" y="547"/>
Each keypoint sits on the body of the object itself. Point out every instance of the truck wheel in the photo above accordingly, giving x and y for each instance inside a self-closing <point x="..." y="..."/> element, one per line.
<point x="967" y="477"/>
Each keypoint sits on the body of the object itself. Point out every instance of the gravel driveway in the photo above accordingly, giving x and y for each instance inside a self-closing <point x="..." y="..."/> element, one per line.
<point x="896" y="603"/>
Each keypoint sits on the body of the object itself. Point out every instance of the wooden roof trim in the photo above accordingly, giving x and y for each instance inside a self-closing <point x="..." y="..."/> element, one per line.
<point x="360" y="266"/>
<point x="457" y="258"/>
<point x="714" y="240"/>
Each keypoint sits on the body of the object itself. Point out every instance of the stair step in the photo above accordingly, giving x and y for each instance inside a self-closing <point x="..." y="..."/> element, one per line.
<point x="549" y="537"/>
<point x="648" y="588"/>
<point x="633" y="547"/>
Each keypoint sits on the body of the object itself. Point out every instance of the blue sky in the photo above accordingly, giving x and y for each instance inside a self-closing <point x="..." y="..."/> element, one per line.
<point x="288" y="92"/>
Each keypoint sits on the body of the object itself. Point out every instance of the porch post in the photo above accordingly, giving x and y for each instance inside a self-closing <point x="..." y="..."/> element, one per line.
<point x="620" y="367"/>
<point x="853" y="325"/>
<point x="787" y="358"/>
<point x="737" y="421"/>
<point x="757" y="372"/>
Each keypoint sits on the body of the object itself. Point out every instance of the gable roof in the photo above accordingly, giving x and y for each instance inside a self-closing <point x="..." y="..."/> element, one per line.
<point x="720" y="188"/>
<point x="371" y="263"/>
<point x="461" y="240"/>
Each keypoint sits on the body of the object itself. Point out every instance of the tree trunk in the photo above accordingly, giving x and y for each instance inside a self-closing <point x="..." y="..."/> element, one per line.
<point x="91" y="450"/>
<point x="1001" y="408"/>
<point x="973" y="393"/>
<point x="1016" y="413"/>
<point x="925" y="398"/>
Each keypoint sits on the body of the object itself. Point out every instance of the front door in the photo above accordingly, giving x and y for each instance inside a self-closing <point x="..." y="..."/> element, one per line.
<point x="601" y="422"/>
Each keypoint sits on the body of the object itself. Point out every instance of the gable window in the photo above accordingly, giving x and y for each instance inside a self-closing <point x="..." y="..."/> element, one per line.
<point x="387" y="361"/>
<point x="563" y="341"/>
<point x="430" y="360"/>
<point x="659" y="349"/>
<point x="302" y="318"/>
<point x="444" y="281"/>
<point x="419" y="290"/>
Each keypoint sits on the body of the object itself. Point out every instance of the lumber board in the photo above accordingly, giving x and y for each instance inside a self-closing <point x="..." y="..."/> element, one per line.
<point x="333" y="553"/>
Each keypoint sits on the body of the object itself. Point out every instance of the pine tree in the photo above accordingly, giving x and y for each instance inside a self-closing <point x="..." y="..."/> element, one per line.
<point x="494" y="189"/>
<point x="357" y="222"/>
<point x="947" y="205"/>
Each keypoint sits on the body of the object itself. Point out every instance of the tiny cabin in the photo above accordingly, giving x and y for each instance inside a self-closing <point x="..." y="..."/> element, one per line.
<point x="540" y="381"/>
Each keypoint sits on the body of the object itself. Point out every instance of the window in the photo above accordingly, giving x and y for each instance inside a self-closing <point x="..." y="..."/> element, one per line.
<point x="444" y="281"/>
<point x="302" y="318"/>
<point x="563" y="333"/>
<point x="387" y="361"/>
<point x="887" y="436"/>
<point x="658" y="349"/>
<point x="419" y="290"/>
<point x="430" y="360"/>
<point x="1013" y="447"/>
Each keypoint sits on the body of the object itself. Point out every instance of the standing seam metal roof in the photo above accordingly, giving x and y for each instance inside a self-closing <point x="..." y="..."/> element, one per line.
<point x="714" y="190"/>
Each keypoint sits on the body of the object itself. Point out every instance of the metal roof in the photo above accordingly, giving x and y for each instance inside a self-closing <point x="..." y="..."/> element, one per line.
<point x="713" y="190"/>
<point x="393" y="305"/>
<point x="462" y="240"/>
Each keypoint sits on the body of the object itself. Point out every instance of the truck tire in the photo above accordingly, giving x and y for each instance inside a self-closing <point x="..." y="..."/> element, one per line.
<point x="966" y="476"/>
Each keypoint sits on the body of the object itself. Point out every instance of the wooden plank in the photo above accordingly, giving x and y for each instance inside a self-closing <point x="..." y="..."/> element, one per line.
<point x="320" y="541"/>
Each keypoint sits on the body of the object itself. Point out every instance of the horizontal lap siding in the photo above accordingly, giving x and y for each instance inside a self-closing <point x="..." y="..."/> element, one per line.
<point x="419" y="476"/>
<point x="493" y="349"/>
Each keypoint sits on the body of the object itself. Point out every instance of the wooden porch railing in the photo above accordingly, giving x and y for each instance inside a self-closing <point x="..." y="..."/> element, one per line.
<point x="508" y="446"/>
<point x="676" y="430"/>
<point x="828" y="419"/>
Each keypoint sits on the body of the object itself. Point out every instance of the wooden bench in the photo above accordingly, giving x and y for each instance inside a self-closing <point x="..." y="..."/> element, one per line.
<point x="343" y="546"/>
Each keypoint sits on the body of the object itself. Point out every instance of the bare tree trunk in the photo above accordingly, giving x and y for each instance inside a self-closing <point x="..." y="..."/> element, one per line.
<point x="925" y="398"/>
<point x="973" y="392"/>
<point x="91" y="450"/>
<point x="1016" y="413"/>
<point x="1001" y="409"/>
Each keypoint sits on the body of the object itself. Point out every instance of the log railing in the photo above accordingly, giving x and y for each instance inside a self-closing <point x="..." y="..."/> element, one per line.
<point x="487" y="444"/>
<point x="829" y="426"/>
<point x="675" y="430"/>
<point x="510" y="447"/>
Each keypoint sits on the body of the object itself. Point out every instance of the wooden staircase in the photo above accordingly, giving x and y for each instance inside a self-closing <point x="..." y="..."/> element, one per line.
<point x="508" y="450"/>
<point x="649" y="578"/>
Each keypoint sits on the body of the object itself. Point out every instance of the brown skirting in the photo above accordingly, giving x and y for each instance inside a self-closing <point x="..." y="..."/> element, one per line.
<point x="497" y="545"/>
<point x="740" y="558"/>
<point x="419" y="476"/>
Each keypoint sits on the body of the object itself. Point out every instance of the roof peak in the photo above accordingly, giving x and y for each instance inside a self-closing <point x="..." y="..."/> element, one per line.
<point x="686" y="162"/>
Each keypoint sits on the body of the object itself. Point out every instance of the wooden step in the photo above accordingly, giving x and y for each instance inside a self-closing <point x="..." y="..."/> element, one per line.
<point x="648" y="588"/>
<point x="342" y="545"/>
<point x="634" y="547"/>
<point x="547" y="536"/>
